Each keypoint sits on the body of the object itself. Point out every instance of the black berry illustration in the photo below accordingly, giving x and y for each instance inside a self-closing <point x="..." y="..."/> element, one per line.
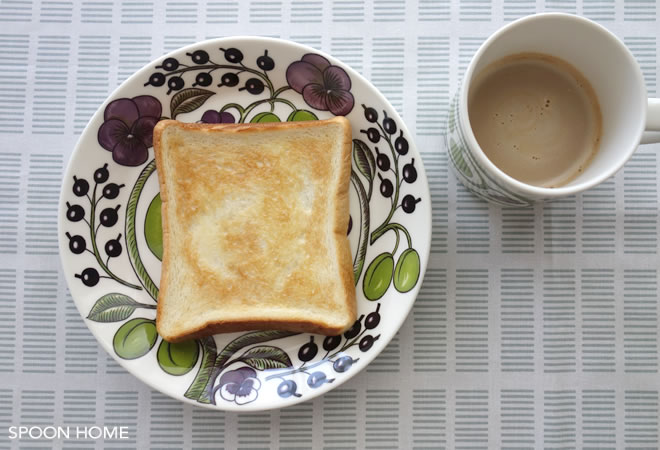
<point x="372" y="134"/>
<point x="156" y="79"/>
<point x="175" y="83"/>
<point x="331" y="342"/>
<point x="233" y="55"/>
<point x="265" y="62"/>
<point x="113" y="247"/>
<point x="80" y="186"/>
<point x="367" y="341"/>
<point x="203" y="79"/>
<point x="96" y="217"/>
<point x="401" y="144"/>
<point x="74" y="213"/>
<point x="343" y="364"/>
<point x="101" y="174"/>
<point x="382" y="161"/>
<point x="169" y="64"/>
<point x="317" y="379"/>
<point x="199" y="57"/>
<point x="90" y="277"/>
<point x="355" y="329"/>
<point x="287" y="388"/>
<point x="109" y="216"/>
<point x="409" y="202"/>
<point x="111" y="190"/>
<point x="373" y="319"/>
<point x="77" y="243"/>
<point x="370" y="114"/>
<point x="409" y="172"/>
<point x="389" y="125"/>
<point x="229" y="79"/>
<point x="386" y="187"/>
<point x="308" y="351"/>
<point x="254" y="86"/>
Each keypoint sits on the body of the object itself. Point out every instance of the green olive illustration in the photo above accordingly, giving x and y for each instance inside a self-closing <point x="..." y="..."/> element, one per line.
<point x="378" y="276"/>
<point x="264" y="117"/>
<point x="153" y="228"/>
<point x="301" y="115"/>
<point x="406" y="272"/>
<point x="135" y="338"/>
<point x="179" y="358"/>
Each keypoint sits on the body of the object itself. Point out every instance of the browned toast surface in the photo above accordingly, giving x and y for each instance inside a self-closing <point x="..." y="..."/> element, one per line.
<point x="254" y="228"/>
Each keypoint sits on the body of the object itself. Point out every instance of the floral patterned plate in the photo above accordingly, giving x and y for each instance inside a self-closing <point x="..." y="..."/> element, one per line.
<point x="111" y="237"/>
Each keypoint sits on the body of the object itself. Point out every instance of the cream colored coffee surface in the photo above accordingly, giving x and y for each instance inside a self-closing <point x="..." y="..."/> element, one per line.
<point x="536" y="118"/>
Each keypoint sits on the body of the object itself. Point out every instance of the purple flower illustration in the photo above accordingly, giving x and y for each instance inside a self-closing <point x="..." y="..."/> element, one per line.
<point x="212" y="116"/>
<point x="322" y="85"/>
<point x="240" y="386"/>
<point x="128" y="128"/>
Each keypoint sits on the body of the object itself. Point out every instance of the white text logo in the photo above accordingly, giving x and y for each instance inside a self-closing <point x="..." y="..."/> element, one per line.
<point x="67" y="432"/>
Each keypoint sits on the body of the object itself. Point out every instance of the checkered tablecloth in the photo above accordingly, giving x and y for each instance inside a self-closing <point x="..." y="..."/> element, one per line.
<point x="534" y="328"/>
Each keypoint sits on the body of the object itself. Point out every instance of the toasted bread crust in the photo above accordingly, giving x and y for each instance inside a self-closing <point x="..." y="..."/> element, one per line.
<point x="217" y="327"/>
<point x="340" y="216"/>
<point x="164" y="195"/>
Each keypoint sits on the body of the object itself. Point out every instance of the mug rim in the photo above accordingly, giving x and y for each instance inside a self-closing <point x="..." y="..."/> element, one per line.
<point x="520" y="186"/>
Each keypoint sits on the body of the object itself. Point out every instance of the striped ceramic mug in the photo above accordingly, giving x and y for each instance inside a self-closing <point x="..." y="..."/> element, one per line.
<point x="615" y="76"/>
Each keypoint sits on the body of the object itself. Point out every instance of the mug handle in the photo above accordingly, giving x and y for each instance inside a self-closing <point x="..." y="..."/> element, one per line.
<point x="652" y="133"/>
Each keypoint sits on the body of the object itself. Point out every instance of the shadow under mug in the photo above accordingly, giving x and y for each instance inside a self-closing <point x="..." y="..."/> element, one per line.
<point x="612" y="71"/>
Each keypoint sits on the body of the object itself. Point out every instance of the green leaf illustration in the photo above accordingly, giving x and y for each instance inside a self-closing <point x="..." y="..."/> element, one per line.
<point x="254" y="337"/>
<point x="197" y="390"/>
<point x="178" y="358"/>
<point x="115" y="307"/>
<point x="456" y="152"/>
<point x="451" y="119"/>
<point x="131" y="240"/>
<point x="135" y="338"/>
<point x="358" y="261"/>
<point x="364" y="160"/>
<point x="153" y="228"/>
<point x="188" y="100"/>
<point x="264" y="357"/>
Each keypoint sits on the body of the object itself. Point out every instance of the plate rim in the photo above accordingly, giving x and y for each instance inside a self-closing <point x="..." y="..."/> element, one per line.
<point x="396" y="321"/>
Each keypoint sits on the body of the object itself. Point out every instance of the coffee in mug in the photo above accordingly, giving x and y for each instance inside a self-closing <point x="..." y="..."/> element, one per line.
<point x="567" y="163"/>
<point x="536" y="117"/>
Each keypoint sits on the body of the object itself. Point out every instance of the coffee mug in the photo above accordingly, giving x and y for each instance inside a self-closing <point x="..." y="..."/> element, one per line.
<point x="613" y="73"/>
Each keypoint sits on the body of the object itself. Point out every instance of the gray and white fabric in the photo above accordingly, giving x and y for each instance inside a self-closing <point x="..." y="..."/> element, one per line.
<point x="534" y="327"/>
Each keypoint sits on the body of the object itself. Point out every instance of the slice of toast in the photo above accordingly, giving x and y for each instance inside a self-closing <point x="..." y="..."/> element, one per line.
<point x="254" y="228"/>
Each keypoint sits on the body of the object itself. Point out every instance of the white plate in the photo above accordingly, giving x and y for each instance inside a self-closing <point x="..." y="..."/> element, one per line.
<point x="109" y="222"/>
